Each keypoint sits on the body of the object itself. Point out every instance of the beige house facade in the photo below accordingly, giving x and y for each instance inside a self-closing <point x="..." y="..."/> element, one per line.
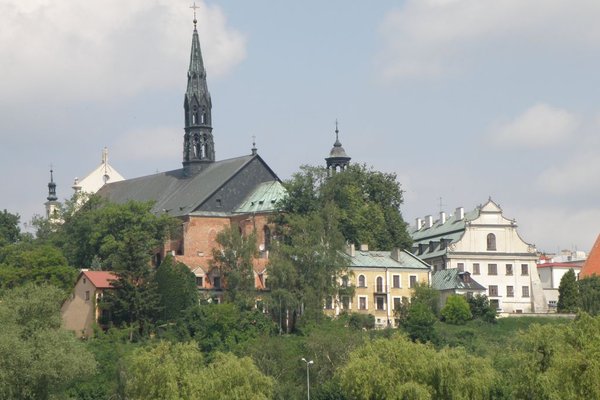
<point x="80" y="311"/>
<point x="379" y="281"/>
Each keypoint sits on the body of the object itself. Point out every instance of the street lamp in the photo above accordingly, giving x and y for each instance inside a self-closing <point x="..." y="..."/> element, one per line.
<point x="308" y="364"/>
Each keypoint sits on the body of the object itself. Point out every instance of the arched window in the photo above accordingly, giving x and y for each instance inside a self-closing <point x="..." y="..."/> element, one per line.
<point x="362" y="281"/>
<point x="491" y="241"/>
<point x="379" y="284"/>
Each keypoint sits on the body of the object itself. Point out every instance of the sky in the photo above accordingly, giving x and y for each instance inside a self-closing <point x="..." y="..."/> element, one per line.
<point x="462" y="99"/>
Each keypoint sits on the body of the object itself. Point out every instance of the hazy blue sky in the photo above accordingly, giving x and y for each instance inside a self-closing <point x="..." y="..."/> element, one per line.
<point x="462" y="99"/>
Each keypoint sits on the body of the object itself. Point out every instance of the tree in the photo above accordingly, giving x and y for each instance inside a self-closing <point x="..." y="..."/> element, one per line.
<point x="456" y="311"/>
<point x="568" y="293"/>
<point x="428" y="296"/>
<point x="38" y="359"/>
<point x="10" y="232"/>
<point x="234" y="261"/>
<point x="176" y="288"/>
<point x="420" y="323"/>
<point x="481" y="308"/>
<point x="589" y="292"/>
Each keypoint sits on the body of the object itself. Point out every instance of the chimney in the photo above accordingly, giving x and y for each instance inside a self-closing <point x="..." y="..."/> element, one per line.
<point x="395" y="254"/>
<point x="350" y="250"/>
<point x="428" y="221"/>
<point x="459" y="213"/>
<point x="442" y="217"/>
<point x="419" y="223"/>
<point x="364" y="247"/>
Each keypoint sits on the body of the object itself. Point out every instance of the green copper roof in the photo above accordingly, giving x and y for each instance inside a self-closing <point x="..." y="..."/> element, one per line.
<point x="264" y="198"/>
<point x="451" y="279"/>
<point x="383" y="259"/>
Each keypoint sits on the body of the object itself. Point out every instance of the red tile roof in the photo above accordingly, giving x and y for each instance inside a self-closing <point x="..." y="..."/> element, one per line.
<point x="592" y="264"/>
<point x="100" y="279"/>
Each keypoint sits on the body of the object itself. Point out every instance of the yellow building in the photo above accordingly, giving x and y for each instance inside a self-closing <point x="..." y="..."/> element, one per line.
<point x="379" y="279"/>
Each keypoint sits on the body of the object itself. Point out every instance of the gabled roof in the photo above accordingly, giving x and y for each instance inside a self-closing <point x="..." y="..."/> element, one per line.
<point x="592" y="264"/>
<point x="100" y="279"/>
<point x="384" y="259"/>
<point x="174" y="192"/>
<point x="453" y="279"/>
<point x="264" y="198"/>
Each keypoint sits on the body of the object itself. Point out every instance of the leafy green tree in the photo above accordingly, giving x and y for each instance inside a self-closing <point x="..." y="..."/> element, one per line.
<point x="164" y="372"/>
<point x="456" y="311"/>
<point x="428" y="296"/>
<point x="589" y="292"/>
<point x="420" y="323"/>
<point x="568" y="293"/>
<point x="481" y="308"/>
<point x="234" y="261"/>
<point x="38" y="360"/>
<point x="10" y="232"/>
<point x="176" y="288"/>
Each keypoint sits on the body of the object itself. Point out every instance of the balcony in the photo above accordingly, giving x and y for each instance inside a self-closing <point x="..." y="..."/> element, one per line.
<point x="380" y="289"/>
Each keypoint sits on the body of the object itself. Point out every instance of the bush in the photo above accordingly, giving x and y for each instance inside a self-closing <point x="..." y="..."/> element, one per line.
<point x="456" y="311"/>
<point x="361" y="321"/>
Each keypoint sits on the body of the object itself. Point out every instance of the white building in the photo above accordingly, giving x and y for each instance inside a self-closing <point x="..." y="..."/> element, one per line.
<point x="487" y="245"/>
<point x="552" y="269"/>
<point x="100" y="176"/>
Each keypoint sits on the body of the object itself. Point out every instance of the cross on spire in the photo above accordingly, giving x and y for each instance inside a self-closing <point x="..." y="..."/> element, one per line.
<point x="194" y="7"/>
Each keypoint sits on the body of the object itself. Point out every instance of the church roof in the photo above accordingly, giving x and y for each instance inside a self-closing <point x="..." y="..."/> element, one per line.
<point x="178" y="194"/>
<point x="264" y="198"/>
<point x="592" y="264"/>
<point x="103" y="174"/>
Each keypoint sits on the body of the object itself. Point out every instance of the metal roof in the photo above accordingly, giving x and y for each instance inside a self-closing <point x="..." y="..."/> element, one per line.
<point x="264" y="198"/>
<point x="383" y="259"/>
<point x="452" y="278"/>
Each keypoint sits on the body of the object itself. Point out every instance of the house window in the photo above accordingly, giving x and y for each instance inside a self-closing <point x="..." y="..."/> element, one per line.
<point x="329" y="303"/>
<point x="362" y="303"/>
<point x="524" y="269"/>
<point x="525" y="291"/>
<point x="217" y="282"/>
<point x="493" y="290"/>
<point x="199" y="281"/>
<point x="87" y="295"/>
<point x="495" y="304"/>
<point x="509" y="269"/>
<point x="344" y="281"/>
<point x="476" y="269"/>
<point x="362" y="281"/>
<point x="345" y="302"/>
<point x="396" y="281"/>
<point x="460" y="267"/>
<point x="380" y="303"/>
<point x="492" y="269"/>
<point x="510" y="291"/>
<point x="84" y="281"/>
<point x="397" y="303"/>
<point x="413" y="281"/>
<point x="379" y="284"/>
<point x="491" y="241"/>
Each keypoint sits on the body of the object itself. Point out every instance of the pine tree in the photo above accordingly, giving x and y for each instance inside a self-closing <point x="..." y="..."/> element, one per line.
<point x="568" y="293"/>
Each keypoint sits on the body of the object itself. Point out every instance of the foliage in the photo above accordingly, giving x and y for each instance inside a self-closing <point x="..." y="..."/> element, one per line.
<point x="10" y="232"/>
<point x="38" y="359"/>
<point x="234" y="261"/>
<point x="222" y="327"/>
<point x="568" y="293"/>
<point x="305" y="266"/>
<point x="176" y="287"/>
<point x="428" y="296"/>
<point x="481" y="308"/>
<point x="420" y="323"/>
<point x="589" y="292"/>
<point x="361" y="321"/>
<point x="164" y="372"/>
<point x="399" y="369"/>
<point x="456" y="311"/>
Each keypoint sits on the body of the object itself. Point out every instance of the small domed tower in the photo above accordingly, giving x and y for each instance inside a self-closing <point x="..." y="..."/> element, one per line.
<point x="338" y="160"/>
<point x="52" y="205"/>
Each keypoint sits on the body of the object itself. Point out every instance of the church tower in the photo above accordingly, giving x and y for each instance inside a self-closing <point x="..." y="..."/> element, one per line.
<point x="52" y="205"/>
<point x="338" y="160"/>
<point x="198" y="144"/>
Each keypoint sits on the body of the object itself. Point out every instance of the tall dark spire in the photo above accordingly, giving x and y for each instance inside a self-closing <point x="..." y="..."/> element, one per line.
<point x="198" y="144"/>
<point x="51" y="187"/>
<point x="338" y="159"/>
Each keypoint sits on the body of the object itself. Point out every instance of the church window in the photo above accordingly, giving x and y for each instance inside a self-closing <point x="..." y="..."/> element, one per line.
<point x="203" y="118"/>
<point x="524" y="269"/>
<point x="476" y="269"/>
<point x="525" y="291"/>
<point x="193" y="118"/>
<point x="491" y="241"/>
<point x="493" y="290"/>
<point x="267" y="235"/>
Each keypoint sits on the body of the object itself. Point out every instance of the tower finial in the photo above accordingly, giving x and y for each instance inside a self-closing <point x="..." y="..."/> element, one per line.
<point x="254" y="149"/>
<point x="52" y="186"/>
<point x="336" y="130"/>
<point x="194" y="7"/>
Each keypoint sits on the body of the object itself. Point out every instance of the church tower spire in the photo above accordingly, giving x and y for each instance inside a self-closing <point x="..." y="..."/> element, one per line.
<point x="338" y="159"/>
<point x="198" y="144"/>
<point x="52" y="205"/>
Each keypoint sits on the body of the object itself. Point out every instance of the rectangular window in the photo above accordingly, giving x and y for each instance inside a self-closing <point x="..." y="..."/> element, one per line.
<point x="396" y="281"/>
<point x="495" y="304"/>
<point x="509" y="269"/>
<point x="510" y="291"/>
<point x="476" y="269"/>
<point x="397" y="303"/>
<point x="199" y="281"/>
<point x="460" y="267"/>
<point x="345" y="302"/>
<point x="525" y="291"/>
<point x="217" y="282"/>
<point x="492" y="269"/>
<point x="380" y="303"/>
<point x="413" y="281"/>
<point x="87" y="295"/>
<point x="362" y="303"/>
<point x="493" y="289"/>
<point x="524" y="269"/>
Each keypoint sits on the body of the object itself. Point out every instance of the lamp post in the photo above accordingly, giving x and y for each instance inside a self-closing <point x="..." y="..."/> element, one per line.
<point x="308" y="364"/>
